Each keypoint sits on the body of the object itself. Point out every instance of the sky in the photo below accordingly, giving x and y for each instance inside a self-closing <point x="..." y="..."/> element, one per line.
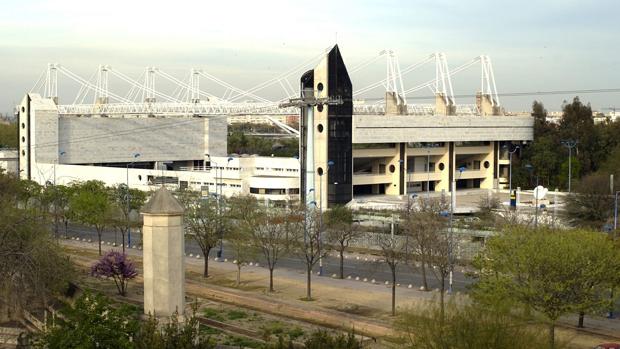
<point x="543" y="45"/>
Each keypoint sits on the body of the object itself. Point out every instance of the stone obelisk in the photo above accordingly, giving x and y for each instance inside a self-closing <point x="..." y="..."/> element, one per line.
<point x="163" y="255"/>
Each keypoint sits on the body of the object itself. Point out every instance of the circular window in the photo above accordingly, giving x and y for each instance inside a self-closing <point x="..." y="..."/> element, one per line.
<point x="319" y="86"/>
<point x="23" y="152"/>
<point x="319" y="171"/>
<point x="139" y="177"/>
<point x="486" y="164"/>
<point x="23" y="139"/>
<point x="319" y="108"/>
<point x="441" y="166"/>
<point x="320" y="128"/>
<point x="392" y="168"/>
<point x="23" y="125"/>
<point x="23" y="109"/>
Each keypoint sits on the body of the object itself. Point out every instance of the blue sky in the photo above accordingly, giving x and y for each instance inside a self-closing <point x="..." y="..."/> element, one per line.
<point x="535" y="45"/>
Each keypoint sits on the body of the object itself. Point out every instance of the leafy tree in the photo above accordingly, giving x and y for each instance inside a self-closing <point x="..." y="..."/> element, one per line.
<point x="591" y="204"/>
<point x="577" y="124"/>
<point x="92" y="322"/>
<point x="204" y="222"/>
<point x="340" y="231"/>
<point x="124" y="201"/>
<point x="322" y="339"/>
<point x="551" y="272"/>
<point x="270" y="237"/>
<point x="8" y="135"/>
<point x="32" y="266"/>
<point x="467" y="326"/>
<point x="90" y="205"/>
<point x="172" y="334"/>
<point x="117" y="266"/>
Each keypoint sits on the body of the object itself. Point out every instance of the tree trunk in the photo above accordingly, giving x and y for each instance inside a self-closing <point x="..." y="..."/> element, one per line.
<point x="123" y="240"/>
<point x="205" y="273"/>
<point x="552" y="335"/>
<point x="581" y="316"/>
<point x="442" y="302"/>
<point x="99" y="238"/>
<point x="66" y="228"/>
<point x="271" y="279"/>
<point x="342" y="263"/>
<point x="309" y="283"/>
<point x="393" y="290"/>
<point x="424" y="281"/>
<point x="238" y="274"/>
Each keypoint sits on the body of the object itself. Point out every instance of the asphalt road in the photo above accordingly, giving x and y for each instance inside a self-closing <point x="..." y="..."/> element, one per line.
<point x="355" y="265"/>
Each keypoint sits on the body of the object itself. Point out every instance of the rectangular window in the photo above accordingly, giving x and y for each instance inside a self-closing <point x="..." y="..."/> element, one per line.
<point x="476" y="165"/>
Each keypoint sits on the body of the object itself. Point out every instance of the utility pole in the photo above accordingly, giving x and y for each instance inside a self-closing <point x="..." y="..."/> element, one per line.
<point x="570" y="144"/>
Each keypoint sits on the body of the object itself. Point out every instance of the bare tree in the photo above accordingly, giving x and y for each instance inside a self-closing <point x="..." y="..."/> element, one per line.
<point x="394" y="252"/>
<point x="340" y="231"/>
<point x="304" y="225"/>
<point x="421" y="224"/>
<point x="270" y="237"/>
<point x="242" y="210"/>
<point x="203" y="221"/>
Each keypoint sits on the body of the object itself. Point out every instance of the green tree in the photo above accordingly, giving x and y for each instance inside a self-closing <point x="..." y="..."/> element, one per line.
<point x="91" y="205"/>
<point x="8" y="135"/>
<point x="32" y="266"/>
<point x="466" y="326"/>
<point x="551" y="272"/>
<point x="92" y="322"/>
<point x="322" y="339"/>
<point x="241" y="211"/>
<point x="124" y="201"/>
<point x="591" y="204"/>
<point x="271" y="237"/>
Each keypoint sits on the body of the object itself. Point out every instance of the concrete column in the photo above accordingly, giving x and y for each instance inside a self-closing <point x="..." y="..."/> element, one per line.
<point x="163" y="255"/>
<point x="483" y="101"/>
<point x="394" y="104"/>
<point x="443" y="108"/>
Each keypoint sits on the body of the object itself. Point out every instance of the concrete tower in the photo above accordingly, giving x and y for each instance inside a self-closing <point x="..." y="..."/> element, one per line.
<point x="326" y="135"/>
<point x="163" y="255"/>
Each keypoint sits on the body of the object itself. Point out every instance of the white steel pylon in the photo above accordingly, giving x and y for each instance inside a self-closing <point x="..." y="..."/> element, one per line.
<point x="149" y="85"/>
<point x="101" y="92"/>
<point x="394" y="78"/>
<point x="487" y="80"/>
<point x="51" y="81"/>
<point x="194" y="82"/>
<point x="443" y="82"/>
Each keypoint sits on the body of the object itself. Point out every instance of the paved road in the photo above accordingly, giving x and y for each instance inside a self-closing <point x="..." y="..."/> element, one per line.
<point x="355" y="265"/>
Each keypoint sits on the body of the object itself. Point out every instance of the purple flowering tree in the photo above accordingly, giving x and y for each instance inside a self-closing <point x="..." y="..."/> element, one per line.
<point x="117" y="266"/>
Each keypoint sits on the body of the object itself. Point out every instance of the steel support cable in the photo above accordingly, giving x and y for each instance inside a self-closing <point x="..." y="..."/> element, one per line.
<point x="282" y="75"/>
<point x="139" y="86"/>
<point x="384" y="81"/>
<point x="451" y="73"/>
<point x="236" y="89"/>
<point x="81" y="80"/>
<point x="182" y="84"/>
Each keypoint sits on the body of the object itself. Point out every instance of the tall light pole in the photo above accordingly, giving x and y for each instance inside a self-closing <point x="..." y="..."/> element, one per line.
<point x="570" y="144"/>
<point x="616" y="212"/>
<point x="510" y="152"/>
<point x="450" y="243"/>
<point x="135" y="156"/>
<point x="530" y="168"/>
<point x="219" y="203"/>
<point x="61" y="153"/>
<point x="329" y="164"/>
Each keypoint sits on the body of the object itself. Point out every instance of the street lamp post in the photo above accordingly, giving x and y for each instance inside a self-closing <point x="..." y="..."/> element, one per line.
<point x="329" y="164"/>
<point x="219" y="185"/>
<point x="61" y="153"/>
<point x="616" y="212"/>
<point x="135" y="156"/>
<point x="530" y="168"/>
<point x="570" y="144"/>
<point x="450" y="242"/>
<point x="510" y="166"/>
